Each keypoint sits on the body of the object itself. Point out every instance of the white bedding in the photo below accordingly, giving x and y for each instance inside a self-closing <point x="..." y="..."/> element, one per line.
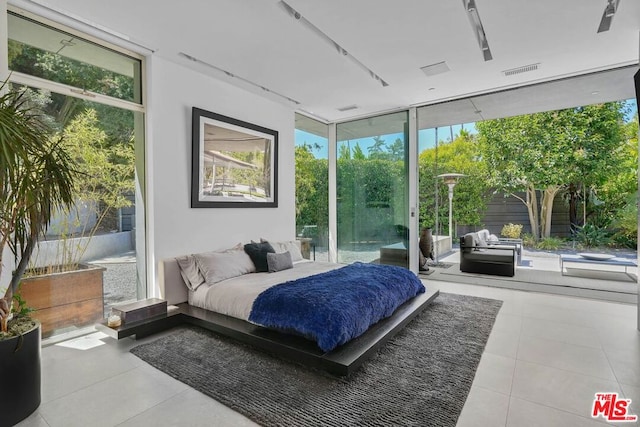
<point x="234" y="297"/>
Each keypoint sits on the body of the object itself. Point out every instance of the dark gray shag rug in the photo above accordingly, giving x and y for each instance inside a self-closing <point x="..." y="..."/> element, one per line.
<point x="421" y="377"/>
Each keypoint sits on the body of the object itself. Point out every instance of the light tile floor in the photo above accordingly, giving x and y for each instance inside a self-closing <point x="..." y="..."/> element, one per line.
<point x="545" y="359"/>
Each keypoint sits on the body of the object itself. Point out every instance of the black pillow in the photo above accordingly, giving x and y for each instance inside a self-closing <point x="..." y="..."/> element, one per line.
<point x="258" y="254"/>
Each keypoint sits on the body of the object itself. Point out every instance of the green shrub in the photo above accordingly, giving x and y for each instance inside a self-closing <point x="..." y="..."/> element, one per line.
<point x="512" y="231"/>
<point x="626" y="225"/>
<point x="592" y="236"/>
<point x="550" y="243"/>
<point x="528" y="240"/>
<point x="624" y="241"/>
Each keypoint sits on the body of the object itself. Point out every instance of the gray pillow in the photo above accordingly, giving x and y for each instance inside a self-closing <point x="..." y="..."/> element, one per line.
<point x="279" y="262"/>
<point x="190" y="272"/>
<point x="291" y="246"/>
<point x="219" y="266"/>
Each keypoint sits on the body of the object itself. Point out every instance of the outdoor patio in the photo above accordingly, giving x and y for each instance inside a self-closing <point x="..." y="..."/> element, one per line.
<point x="540" y="272"/>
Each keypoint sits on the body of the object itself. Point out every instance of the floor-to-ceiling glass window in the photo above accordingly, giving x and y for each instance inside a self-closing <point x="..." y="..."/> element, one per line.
<point x="511" y="175"/>
<point x="91" y="95"/>
<point x="372" y="189"/>
<point x="446" y="175"/>
<point x="312" y="186"/>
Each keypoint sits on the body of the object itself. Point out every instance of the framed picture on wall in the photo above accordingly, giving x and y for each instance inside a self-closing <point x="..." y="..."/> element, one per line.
<point x="234" y="163"/>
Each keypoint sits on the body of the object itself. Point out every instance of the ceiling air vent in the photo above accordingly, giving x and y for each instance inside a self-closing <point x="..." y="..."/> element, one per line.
<point x="437" y="68"/>
<point x="520" y="70"/>
<point x="347" y="108"/>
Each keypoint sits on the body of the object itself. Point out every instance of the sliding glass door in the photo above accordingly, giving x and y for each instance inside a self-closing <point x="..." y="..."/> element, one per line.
<point x="372" y="190"/>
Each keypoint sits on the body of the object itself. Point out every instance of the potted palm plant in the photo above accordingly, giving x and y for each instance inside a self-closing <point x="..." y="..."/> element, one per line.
<point x="36" y="178"/>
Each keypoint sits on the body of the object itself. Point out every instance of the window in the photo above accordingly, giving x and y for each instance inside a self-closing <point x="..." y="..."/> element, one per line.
<point x="92" y="96"/>
<point x="312" y="185"/>
<point x="39" y="50"/>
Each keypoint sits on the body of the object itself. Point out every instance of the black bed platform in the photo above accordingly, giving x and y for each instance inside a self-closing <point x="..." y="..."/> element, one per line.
<point x="342" y="361"/>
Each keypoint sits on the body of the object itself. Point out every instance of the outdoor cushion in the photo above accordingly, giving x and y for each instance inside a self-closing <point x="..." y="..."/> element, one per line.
<point x="491" y="255"/>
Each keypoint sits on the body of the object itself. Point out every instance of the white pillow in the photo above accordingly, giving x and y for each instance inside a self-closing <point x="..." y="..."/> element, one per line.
<point x="291" y="246"/>
<point x="219" y="266"/>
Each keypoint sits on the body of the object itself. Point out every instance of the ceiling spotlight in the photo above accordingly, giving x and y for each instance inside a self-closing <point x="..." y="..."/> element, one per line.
<point x="318" y="32"/>
<point x="610" y="10"/>
<point x="476" y="23"/>
<point x="607" y="16"/>
<point x="234" y="76"/>
<point x="189" y="57"/>
<point x="471" y="5"/>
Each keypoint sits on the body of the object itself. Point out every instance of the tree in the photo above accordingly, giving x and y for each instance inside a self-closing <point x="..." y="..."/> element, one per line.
<point x="305" y="180"/>
<point x="396" y="150"/>
<point x="358" y="154"/>
<point x="377" y="150"/>
<point x="620" y="192"/>
<point x="344" y="151"/>
<point x="105" y="179"/>
<point x="599" y="152"/>
<point x="460" y="156"/>
<point x="106" y="169"/>
<point x="541" y="154"/>
<point x="382" y="151"/>
<point x="312" y="189"/>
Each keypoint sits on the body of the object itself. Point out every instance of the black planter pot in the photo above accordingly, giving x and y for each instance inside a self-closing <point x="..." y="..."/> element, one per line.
<point x="20" y="373"/>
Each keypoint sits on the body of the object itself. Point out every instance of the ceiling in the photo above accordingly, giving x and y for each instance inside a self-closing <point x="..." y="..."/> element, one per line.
<point x="259" y="46"/>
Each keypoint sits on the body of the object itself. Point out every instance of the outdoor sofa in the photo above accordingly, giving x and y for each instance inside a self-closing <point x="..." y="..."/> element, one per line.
<point x="477" y="255"/>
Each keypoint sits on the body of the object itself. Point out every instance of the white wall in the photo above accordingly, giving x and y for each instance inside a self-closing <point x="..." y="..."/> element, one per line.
<point x="174" y="227"/>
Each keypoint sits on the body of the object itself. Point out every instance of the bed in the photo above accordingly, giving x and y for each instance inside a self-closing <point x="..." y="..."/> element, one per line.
<point x="235" y="306"/>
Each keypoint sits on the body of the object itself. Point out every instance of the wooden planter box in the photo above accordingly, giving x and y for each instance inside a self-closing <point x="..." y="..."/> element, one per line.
<point x="62" y="300"/>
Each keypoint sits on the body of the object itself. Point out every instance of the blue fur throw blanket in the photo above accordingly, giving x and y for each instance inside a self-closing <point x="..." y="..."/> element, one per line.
<point x="337" y="306"/>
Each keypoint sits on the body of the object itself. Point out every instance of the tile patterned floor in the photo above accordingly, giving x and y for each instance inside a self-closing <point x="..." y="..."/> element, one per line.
<point x="545" y="359"/>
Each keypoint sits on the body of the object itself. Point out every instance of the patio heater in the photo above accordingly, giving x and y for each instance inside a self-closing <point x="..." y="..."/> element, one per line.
<point x="451" y="179"/>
